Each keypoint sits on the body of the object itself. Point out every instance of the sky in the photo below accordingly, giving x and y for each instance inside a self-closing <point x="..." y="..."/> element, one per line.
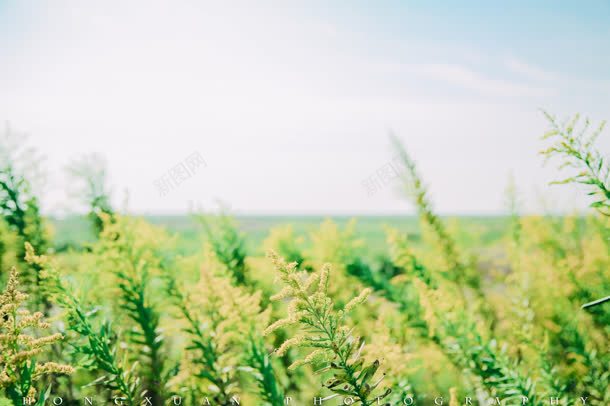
<point x="290" y="103"/>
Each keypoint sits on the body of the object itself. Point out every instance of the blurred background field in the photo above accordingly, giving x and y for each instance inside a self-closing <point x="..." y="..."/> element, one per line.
<point x="476" y="233"/>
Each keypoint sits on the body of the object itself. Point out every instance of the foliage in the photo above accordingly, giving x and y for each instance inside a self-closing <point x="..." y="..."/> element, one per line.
<point x="283" y="240"/>
<point x="214" y="324"/>
<point x="576" y="147"/>
<point x="574" y="143"/>
<point x="19" y="205"/>
<point x="19" y="347"/>
<point x="132" y="258"/>
<point x="91" y="173"/>
<point x="228" y="243"/>
<point x="482" y="308"/>
<point x="98" y="346"/>
<point x="9" y="245"/>
<point x="264" y="374"/>
<point x="325" y="330"/>
<point x="457" y="270"/>
<point x="458" y="334"/>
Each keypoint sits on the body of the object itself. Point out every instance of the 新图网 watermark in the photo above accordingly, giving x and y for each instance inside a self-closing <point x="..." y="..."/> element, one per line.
<point x="179" y="173"/>
<point x="384" y="175"/>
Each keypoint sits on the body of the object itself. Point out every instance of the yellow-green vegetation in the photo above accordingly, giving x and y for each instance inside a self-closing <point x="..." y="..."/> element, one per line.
<point x="325" y="331"/>
<point x="21" y="343"/>
<point x="434" y="310"/>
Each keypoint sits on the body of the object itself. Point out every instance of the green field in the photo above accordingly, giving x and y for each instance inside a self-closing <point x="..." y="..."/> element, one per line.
<point x="474" y="232"/>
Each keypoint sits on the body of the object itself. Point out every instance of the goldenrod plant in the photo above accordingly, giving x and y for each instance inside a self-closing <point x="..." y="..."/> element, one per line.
<point x="19" y="204"/>
<point x="222" y="326"/>
<point x="456" y="268"/>
<point x="418" y="192"/>
<point x="342" y="248"/>
<point x="228" y="243"/>
<point x="481" y="357"/>
<point x="574" y="143"/>
<point x="132" y="258"/>
<point x="283" y="240"/>
<point x="453" y="328"/>
<point x="9" y="245"/>
<point x="396" y="357"/>
<point x="405" y="259"/>
<point x="99" y="346"/>
<point x="333" y="244"/>
<point x="21" y="347"/>
<point x="325" y="330"/>
<point x="258" y="359"/>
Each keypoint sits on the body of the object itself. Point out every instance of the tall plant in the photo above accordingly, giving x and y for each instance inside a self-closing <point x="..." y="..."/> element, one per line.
<point x="19" y="205"/>
<point x="91" y="174"/>
<point x="96" y="342"/>
<point x="573" y="142"/>
<point x="326" y="332"/>
<point x="20" y="347"/>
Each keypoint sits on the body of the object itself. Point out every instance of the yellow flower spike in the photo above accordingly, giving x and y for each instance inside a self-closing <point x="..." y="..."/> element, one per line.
<point x="323" y="329"/>
<point x="31" y="257"/>
<point x="53" y="368"/>
<point x="19" y="348"/>
<point x="453" y="399"/>
<point x="324" y="273"/>
<point x="310" y="282"/>
<point x="277" y="325"/>
<point x="361" y="298"/>
<point x="283" y="294"/>
<point x="290" y="343"/>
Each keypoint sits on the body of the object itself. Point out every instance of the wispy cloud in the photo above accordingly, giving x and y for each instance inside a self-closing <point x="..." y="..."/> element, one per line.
<point x="560" y="81"/>
<point x="529" y="71"/>
<point x="462" y="76"/>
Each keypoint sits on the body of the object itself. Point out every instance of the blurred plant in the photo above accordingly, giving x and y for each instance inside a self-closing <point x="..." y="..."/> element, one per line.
<point x="454" y="329"/>
<point x="9" y="245"/>
<point x="512" y="201"/>
<point x="18" y="203"/>
<point x="551" y="380"/>
<point x="128" y="248"/>
<point x="458" y="334"/>
<point x="258" y="359"/>
<point x="228" y="243"/>
<point x="389" y="285"/>
<point x="518" y="278"/>
<point x="325" y="330"/>
<point x="100" y="349"/>
<point x="588" y="367"/>
<point x="453" y="399"/>
<point x="401" y="289"/>
<point x="282" y="240"/>
<point x="338" y="246"/>
<point x="396" y="358"/>
<point x="344" y="250"/>
<point x="574" y="343"/>
<point x="19" y="348"/>
<point x="456" y="269"/>
<point x="404" y="258"/>
<point x="91" y="173"/>
<point x="217" y="344"/>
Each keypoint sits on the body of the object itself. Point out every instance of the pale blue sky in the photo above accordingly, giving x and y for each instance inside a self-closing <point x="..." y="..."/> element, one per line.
<point x="290" y="103"/>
